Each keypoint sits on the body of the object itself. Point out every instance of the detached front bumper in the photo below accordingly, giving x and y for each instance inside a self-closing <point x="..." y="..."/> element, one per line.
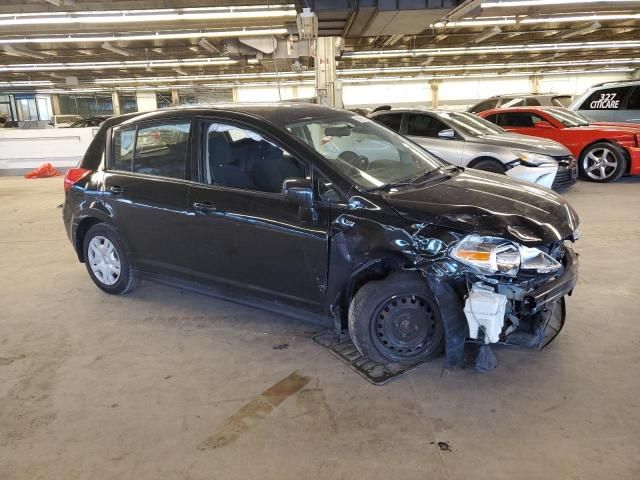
<point x="543" y="175"/>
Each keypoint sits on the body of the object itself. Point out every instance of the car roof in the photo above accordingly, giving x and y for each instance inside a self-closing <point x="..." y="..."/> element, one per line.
<point x="277" y="113"/>
<point x="415" y="110"/>
<point x="522" y="109"/>
<point x="618" y="83"/>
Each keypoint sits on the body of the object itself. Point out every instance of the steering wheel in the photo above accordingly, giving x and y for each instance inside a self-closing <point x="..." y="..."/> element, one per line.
<point x="352" y="158"/>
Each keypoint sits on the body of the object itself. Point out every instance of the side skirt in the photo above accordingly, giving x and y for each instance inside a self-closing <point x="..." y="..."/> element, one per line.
<point x="233" y="295"/>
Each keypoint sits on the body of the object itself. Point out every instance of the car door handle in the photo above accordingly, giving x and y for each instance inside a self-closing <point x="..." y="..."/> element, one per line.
<point x="204" y="207"/>
<point x="116" y="189"/>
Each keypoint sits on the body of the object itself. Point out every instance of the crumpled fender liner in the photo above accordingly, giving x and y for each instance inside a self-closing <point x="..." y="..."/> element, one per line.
<point x="453" y="320"/>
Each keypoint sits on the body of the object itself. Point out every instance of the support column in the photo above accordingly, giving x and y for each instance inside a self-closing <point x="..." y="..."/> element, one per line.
<point x="115" y="100"/>
<point x="175" y="98"/>
<point x="55" y="104"/>
<point x="326" y="82"/>
<point x="534" y="83"/>
<point x="435" y="86"/>
<point x="146" y="101"/>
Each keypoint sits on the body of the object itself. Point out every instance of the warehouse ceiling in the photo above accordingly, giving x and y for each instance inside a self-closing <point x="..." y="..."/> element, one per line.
<point x="159" y="43"/>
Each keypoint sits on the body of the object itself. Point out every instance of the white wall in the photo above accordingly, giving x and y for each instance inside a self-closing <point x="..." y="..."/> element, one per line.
<point x="146" y="101"/>
<point x="456" y="93"/>
<point x="28" y="149"/>
<point x="270" y="94"/>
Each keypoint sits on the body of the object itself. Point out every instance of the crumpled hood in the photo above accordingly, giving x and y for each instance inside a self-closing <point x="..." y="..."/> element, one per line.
<point x="525" y="142"/>
<point x="489" y="204"/>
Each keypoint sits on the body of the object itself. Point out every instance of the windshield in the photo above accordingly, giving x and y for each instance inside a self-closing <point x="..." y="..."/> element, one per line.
<point x="567" y="117"/>
<point x="371" y="155"/>
<point x="470" y="124"/>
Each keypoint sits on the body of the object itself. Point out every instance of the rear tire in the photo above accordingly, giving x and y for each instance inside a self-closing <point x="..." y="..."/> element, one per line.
<point x="602" y="163"/>
<point x="489" y="165"/>
<point x="106" y="260"/>
<point x="396" y="320"/>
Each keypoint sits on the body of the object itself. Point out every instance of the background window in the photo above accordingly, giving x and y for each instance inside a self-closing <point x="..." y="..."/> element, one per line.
<point x="123" y="149"/>
<point x="161" y="149"/>
<point x="425" y="126"/>
<point x="391" y="120"/>
<point x="605" y="99"/>
<point x="518" y="120"/>
<point x="240" y="158"/>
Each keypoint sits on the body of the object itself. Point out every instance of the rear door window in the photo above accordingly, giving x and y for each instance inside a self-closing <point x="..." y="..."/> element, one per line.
<point x="391" y="120"/>
<point x="606" y="99"/>
<point x="161" y="149"/>
<point x="123" y="143"/>
<point x="425" y="126"/>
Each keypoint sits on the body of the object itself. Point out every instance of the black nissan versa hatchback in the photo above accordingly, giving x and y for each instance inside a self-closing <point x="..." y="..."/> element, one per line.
<point x="323" y="214"/>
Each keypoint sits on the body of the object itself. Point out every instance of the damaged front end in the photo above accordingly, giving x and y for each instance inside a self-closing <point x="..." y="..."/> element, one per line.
<point x="488" y="289"/>
<point x="493" y="290"/>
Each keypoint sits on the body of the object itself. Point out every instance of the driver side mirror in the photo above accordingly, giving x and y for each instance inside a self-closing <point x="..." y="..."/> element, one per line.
<point x="543" y="124"/>
<point x="447" y="133"/>
<point x="299" y="191"/>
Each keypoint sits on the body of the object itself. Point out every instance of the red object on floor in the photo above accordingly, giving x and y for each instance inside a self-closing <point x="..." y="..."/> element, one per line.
<point x="43" y="171"/>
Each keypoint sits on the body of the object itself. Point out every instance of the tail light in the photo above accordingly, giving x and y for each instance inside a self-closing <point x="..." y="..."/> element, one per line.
<point x="73" y="176"/>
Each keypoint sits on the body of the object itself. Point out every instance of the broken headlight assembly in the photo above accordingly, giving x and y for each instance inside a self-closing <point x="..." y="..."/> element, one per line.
<point x="497" y="256"/>
<point x="531" y="159"/>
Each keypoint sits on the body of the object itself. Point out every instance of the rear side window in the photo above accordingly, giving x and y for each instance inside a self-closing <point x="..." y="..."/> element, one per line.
<point x="605" y="99"/>
<point x="161" y="149"/>
<point x="634" y="100"/>
<point x="123" y="149"/>
<point x="493" y="118"/>
<point x="425" y="126"/>
<point x="391" y="120"/>
<point x="512" y="102"/>
<point x="561" y="101"/>
<point x="485" y="105"/>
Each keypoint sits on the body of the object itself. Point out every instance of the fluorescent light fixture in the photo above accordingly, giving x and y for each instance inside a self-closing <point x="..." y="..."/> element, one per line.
<point x="72" y="38"/>
<point x="151" y="15"/>
<point x="582" y="31"/>
<point x="146" y="64"/>
<point x="486" y="35"/>
<point x="512" y="20"/>
<point x="543" y="3"/>
<point x="57" y="3"/>
<point x="224" y="76"/>
<point x="179" y="71"/>
<point x="204" y="43"/>
<point x="600" y="63"/>
<point x="518" y="48"/>
<point x="118" y="50"/>
<point x="581" y="18"/>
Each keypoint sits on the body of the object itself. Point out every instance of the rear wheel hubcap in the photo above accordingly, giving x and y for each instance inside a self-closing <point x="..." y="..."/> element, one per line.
<point x="104" y="260"/>
<point x="600" y="163"/>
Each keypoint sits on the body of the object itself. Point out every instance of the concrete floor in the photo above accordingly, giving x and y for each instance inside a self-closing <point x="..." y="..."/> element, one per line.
<point x="162" y="384"/>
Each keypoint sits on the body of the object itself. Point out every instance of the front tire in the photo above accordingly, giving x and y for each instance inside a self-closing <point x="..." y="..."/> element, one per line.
<point x="396" y="320"/>
<point x="602" y="162"/>
<point x="106" y="260"/>
<point x="489" y="165"/>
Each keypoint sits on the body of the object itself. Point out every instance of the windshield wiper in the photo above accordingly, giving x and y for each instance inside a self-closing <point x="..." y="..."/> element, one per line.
<point x="423" y="177"/>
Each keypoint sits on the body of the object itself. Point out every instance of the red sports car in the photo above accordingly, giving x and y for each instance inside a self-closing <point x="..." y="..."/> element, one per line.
<point x="605" y="151"/>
